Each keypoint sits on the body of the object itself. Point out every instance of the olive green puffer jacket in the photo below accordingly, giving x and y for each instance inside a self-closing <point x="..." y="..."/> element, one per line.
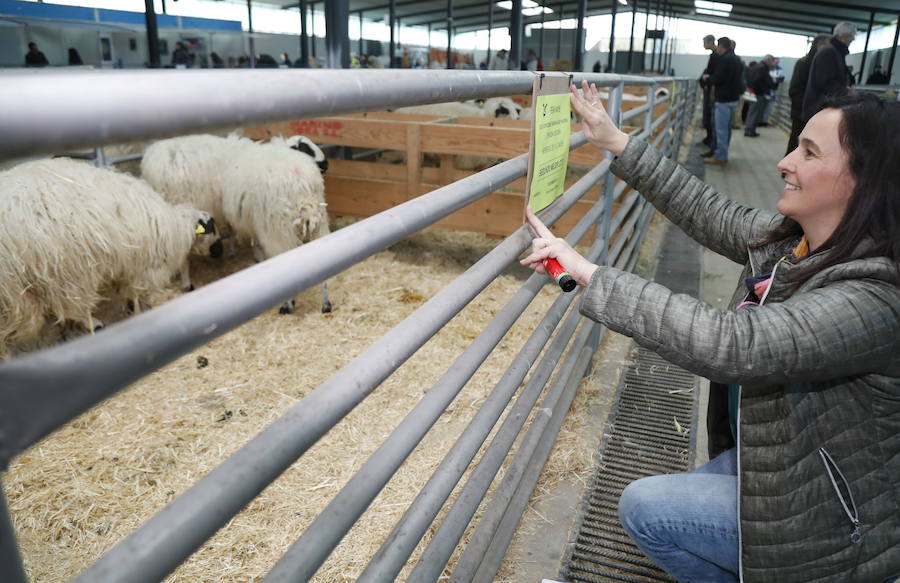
<point x="819" y="363"/>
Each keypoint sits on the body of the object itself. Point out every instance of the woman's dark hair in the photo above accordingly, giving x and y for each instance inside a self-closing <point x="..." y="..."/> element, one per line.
<point x="869" y="132"/>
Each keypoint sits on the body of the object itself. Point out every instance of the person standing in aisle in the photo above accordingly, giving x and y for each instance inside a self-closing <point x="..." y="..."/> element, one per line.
<point x="797" y="88"/>
<point x="709" y="43"/>
<point x="727" y="83"/>
<point x="828" y="73"/>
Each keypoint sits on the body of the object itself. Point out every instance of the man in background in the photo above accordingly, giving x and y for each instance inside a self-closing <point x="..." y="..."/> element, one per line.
<point x="828" y="73"/>
<point x="763" y="85"/>
<point x="499" y="62"/>
<point x="877" y="77"/>
<point x="797" y="88"/>
<point x="709" y="43"/>
<point x="726" y="79"/>
<point x="34" y="57"/>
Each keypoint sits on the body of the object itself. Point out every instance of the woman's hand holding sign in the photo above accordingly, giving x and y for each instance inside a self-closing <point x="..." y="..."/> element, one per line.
<point x="548" y="246"/>
<point x="598" y="128"/>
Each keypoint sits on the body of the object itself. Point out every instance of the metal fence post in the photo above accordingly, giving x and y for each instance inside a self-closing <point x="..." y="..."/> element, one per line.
<point x="11" y="568"/>
<point x="614" y="108"/>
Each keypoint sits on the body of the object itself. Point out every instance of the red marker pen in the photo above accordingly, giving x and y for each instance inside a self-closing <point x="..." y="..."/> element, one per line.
<point x="562" y="277"/>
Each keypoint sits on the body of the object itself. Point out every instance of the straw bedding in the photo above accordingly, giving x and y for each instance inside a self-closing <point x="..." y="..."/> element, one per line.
<point x="82" y="489"/>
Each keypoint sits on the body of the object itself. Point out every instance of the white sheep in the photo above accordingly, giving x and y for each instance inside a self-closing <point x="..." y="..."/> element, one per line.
<point x="275" y="179"/>
<point x="75" y="236"/>
<point x="275" y="197"/>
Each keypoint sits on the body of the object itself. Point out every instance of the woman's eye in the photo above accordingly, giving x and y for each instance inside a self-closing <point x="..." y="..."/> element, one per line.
<point x="808" y="153"/>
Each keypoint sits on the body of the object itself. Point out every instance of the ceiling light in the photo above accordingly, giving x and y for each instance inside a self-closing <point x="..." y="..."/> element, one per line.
<point x="713" y="6"/>
<point x="712" y="12"/>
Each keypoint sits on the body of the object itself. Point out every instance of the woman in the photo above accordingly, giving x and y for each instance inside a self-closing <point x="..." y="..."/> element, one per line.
<point x="804" y="409"/>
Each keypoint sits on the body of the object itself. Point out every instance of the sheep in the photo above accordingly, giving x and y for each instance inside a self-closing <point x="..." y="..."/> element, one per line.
<point x="198" y="169"/>
<point x="75" y="236"/>
<point x="276" y="199"/>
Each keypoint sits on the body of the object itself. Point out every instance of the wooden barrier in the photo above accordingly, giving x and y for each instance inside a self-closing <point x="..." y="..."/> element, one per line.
<point x="363" y="188"/>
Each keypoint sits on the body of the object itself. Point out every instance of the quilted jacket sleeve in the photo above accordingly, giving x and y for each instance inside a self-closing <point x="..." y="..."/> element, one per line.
<point x="707" y="216"/>
<point x="843" y="328"/>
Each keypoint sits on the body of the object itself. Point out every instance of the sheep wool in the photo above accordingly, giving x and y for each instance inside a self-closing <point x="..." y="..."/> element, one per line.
<point x="189" y="169"/>
<point x="280" y="208"/>
<point x="73" y="236"/>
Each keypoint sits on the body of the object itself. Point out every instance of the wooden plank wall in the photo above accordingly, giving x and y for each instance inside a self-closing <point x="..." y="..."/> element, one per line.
<point x="363" y="188"/>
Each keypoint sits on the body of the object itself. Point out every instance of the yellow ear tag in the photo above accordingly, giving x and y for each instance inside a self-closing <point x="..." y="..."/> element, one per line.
<point x="199" y="230"/>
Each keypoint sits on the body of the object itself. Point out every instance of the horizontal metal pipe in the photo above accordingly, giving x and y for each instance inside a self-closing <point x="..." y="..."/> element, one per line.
<point x="87" y="108"/>
<point x="435" y="556"/>
<point x="632" y="113"/>
<point x="440" y="548"/>
<point x="167" y="538"/>
<point x="540" y="435"/>
<point x="307" y="554"/>
<point x="390" y="558"/>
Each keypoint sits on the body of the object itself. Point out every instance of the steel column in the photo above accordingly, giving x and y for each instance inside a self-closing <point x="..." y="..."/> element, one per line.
<point x="152" y="34"/>
<point x="890" y="69"/>
<point x="862" y="66"/>
<point x="634" y="11"/>
<point x="612" y="36"/>
<point x="449" y="34"/>
<point x="304" y="37"/>
<point x="337" y="15"/>
<point x="490" y="29"/>
<point x="392" y="17"/>
<point x="250" y="40"/>
<point x="559" y="33"/>
<point x="646" y="32"/>
<point x="515" y="33"/>
<point x="578" y="48"/>
<point x="312" y="26"/>
<point x="541" y="41"/>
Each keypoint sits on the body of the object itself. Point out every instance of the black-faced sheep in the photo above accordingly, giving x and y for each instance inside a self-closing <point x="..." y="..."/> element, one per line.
<point x="73" y="236"/>
<point x="270" y="194"/>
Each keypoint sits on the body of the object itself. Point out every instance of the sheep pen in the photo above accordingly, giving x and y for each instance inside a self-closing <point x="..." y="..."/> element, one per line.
<point x="77" y="492"/>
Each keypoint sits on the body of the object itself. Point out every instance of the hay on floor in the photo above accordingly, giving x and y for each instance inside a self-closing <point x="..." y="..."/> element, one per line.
<point x="82" y="489"/>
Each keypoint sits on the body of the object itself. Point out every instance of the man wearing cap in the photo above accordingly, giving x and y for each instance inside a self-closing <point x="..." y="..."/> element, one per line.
<point x="828" y="73"/>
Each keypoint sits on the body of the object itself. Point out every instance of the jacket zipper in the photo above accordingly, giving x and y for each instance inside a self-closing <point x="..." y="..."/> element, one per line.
<point x="851" y="511"/>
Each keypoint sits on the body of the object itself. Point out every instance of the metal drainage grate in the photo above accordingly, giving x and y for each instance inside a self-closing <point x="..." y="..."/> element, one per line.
<point x="649" y="434"/>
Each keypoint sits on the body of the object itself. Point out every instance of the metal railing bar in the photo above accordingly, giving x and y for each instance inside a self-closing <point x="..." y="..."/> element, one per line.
<point x="512" y="477"/>
<point x="405" y="535"/>
<point x="495" y="553"/>
<point x="307" y="554"/>
<point x="499" y="521"/>
<point x="12" y="570"/>
<point x="102" y="107"/>
<point x="632" y="113"/>
<point x="440" y="548"/>
<point x="168" y="537"/>
<point x="74" y="376"/>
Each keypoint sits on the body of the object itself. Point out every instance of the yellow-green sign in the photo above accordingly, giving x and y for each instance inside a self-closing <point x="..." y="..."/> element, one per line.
<point x="551" y="149"/>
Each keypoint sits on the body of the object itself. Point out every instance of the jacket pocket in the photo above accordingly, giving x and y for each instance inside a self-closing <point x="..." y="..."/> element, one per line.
<point x="844" y="494"/>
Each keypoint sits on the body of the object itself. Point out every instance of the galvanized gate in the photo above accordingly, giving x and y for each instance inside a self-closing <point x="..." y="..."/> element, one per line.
<point x="41" y="391"/>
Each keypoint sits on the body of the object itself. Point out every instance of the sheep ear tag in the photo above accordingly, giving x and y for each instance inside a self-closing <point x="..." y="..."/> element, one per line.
<point x="199" y="230"/>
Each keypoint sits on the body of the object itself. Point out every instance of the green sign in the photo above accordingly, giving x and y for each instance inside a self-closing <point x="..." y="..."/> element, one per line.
<point x="551" y="149"/>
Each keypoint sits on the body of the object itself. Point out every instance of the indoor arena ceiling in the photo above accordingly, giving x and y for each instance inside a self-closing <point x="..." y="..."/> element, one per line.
<point x="807" y="17"/>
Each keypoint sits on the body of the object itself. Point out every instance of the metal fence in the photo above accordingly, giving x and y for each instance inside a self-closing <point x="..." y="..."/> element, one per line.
<point x="41" y="391"/>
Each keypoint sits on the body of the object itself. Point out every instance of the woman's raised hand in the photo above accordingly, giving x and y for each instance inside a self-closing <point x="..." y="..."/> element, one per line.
<point x="598" y="128"/>
<point x="547" y="245"/>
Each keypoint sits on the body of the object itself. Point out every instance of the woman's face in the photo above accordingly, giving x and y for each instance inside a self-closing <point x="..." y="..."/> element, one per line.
<point x="817" y="181"/>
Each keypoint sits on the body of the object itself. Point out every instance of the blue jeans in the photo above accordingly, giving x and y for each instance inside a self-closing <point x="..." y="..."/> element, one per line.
<point x="687" y="523"/>
<point x="755" y="115"/>
<point x="724" y="111"/>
